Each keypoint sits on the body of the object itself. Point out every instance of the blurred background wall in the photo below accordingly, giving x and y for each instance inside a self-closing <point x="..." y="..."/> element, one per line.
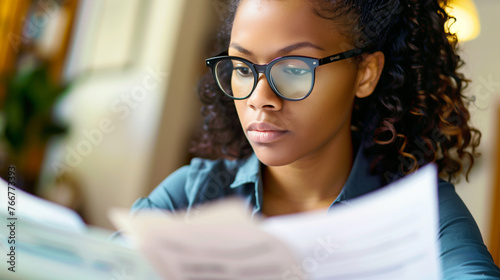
<point x="482" y="59"/>
<point x="100" y="99"/>
<point x="124" y="104"/>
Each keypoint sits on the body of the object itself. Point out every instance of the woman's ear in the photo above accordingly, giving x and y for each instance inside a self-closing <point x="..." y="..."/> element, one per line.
<point x="369" y="73"/>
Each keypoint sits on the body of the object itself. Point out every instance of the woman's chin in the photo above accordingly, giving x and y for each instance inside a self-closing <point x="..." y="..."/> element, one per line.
<point x="270" y="158"/>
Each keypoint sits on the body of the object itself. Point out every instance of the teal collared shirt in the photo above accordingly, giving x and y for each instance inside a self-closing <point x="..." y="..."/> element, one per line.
<point x="463" y="253"/>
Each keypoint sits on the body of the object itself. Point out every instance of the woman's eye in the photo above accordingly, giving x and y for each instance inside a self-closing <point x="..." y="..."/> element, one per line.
<point x="296" y="71"/>
<point x="243" y="71"/>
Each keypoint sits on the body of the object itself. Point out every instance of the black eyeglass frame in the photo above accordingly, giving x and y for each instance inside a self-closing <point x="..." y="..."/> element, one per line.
<point x="265" y="69"/>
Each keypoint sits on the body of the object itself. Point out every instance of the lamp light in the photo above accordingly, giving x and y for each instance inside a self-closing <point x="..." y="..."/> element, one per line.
<point x="466" y="26"/>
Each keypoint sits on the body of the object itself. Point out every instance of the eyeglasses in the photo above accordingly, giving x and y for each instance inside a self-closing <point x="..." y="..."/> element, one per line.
<point x="290" y="77"/>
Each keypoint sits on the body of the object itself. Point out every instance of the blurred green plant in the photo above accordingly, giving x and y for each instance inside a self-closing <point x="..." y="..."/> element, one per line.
<point x="28" y="120"/>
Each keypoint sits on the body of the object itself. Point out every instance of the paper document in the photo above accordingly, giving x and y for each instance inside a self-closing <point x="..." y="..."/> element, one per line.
<point x="388" y="234"/>
<point x="31" y="208"/>
<point x="219" y="242"/>
<point x="45" y="241"/>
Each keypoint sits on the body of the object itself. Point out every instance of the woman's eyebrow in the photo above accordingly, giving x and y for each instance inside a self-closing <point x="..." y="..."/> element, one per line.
<point x="240" y="49"/>
<point x="300" y="45"/>
<point x="283" y="51"/>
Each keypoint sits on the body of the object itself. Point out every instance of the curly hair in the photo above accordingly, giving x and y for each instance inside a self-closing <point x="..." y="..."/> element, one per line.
<point x="416" y="115"/>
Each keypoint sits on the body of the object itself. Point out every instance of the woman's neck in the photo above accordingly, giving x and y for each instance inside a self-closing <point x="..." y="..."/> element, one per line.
<point x="310" y="183"/>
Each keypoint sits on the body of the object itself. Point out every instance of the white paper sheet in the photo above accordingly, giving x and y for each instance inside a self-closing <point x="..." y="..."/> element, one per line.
<point x="218" y="243"/>
<point x="31" y="208"/>
<point x="388" y="234"/>
<point x="51" y="242"/>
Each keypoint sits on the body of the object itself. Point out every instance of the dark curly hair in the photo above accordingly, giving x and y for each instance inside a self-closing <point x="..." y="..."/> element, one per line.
<point x="416" y="115"/>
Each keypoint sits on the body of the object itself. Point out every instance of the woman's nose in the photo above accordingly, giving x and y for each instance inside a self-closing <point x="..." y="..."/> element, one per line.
<point x="263" y="96"/>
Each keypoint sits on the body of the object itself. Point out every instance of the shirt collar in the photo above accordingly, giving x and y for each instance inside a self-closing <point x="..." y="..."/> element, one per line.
<point x="249" y="177"/>
<point x="360" y="181"/>
<point x="248" y="172"/>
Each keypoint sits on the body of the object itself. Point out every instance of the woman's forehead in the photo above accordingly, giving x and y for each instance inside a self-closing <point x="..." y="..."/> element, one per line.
<point x="269" y="24"/>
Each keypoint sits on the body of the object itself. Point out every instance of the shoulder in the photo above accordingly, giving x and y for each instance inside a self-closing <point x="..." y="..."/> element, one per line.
<point x="200" y="181"/>
<point x="463" y="253"/>
<point x="450" y="203"/>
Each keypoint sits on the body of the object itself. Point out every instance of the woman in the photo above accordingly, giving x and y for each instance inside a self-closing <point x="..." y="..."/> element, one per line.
<point x="317" y="102"/>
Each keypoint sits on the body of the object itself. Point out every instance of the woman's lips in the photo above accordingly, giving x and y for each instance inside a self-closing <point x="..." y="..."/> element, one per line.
<point x="263" y="132"/>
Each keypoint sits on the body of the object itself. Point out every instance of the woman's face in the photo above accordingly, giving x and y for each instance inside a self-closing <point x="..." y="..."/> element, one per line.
<point x="283" y="132"/>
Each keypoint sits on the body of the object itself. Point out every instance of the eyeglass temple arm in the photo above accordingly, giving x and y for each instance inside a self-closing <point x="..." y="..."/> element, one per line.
<point x="325" y="60"/>
<point x="340" y="56"/>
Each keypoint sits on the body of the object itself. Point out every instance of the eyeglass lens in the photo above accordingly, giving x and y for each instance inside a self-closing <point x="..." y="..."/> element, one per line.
<point x="291" y="78"/>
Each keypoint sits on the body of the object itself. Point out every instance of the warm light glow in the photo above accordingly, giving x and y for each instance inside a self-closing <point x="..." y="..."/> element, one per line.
<point x="467" y="26"/>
